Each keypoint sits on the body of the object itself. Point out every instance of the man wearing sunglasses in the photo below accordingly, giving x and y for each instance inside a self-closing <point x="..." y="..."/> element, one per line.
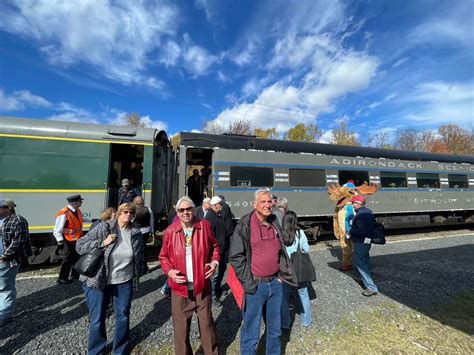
<point x="261" y="264"/>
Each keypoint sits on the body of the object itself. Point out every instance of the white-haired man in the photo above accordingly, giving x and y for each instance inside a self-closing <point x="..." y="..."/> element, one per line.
<point x="261" y="264"/>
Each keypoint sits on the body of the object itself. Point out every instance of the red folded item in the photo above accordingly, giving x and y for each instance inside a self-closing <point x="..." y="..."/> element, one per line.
<point x="235" y="286"/>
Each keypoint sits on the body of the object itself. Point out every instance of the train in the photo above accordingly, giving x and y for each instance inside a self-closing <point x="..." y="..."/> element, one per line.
<point x="44" y="161"/>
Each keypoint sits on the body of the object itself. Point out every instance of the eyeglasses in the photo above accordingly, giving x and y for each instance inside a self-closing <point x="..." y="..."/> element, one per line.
<point x="128" y="212"/>
<point x="187" y="209"/>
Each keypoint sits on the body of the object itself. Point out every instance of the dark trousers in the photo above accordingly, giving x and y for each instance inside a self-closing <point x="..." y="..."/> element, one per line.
<point x="69" y="259"/>
<point x="182" y="309"/>
<point x="216" y="280"/>
<point x="145" y="237"/>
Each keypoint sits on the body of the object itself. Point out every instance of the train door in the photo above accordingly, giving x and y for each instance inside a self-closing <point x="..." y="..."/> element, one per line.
<point x="126" y="162"/>
<point x="197" y="174"/>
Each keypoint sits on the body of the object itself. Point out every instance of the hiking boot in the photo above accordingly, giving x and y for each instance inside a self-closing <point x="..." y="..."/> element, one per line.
<point x="368" y="292"/>
<point x="63" y="281"/>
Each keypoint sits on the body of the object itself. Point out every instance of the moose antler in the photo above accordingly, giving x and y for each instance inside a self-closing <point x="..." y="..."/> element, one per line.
<point x="366" y="189"/>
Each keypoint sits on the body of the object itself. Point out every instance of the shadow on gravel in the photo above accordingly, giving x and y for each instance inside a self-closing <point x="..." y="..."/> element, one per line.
<point x="228" y="323"/>
<point x="42" y="311"/>
<point x="156" y="318"/>
<point x="425" y="279"/>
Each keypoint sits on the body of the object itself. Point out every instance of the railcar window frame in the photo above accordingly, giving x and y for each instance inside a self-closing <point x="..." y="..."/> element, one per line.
<point x="357" y="180"/>
<point x="422" y="181"/>
<point x="245" y="179"/>
<point x="386" y="184"/>
<point x="452" y="181"/>
<point x="320" y="175"/>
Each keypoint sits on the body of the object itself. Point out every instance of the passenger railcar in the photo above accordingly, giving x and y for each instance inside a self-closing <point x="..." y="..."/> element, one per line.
<point x="42" y="162"/>
<point x="415" y="188"/>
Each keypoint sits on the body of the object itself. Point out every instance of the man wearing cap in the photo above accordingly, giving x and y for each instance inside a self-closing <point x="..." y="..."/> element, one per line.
<point x="361" y="232"/>
<point x="25" y="243"/>
<point x="67" y="230"/>
<point x="219" y="230"/>
<point x="126" y="193"/>
<point x="201" y="211"/>
<point x="10" y="250"/>
<point x="144" y="220"/>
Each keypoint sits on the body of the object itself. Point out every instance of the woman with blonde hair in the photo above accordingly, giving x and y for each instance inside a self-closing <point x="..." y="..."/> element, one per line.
<point x="106" y="215"/>
<point x="122" y="265"/>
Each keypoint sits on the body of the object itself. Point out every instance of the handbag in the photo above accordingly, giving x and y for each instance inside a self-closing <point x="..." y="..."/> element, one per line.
<point x="379" y="234"/>
<point x="304" y="268"/>
<point x="89" y="263"/>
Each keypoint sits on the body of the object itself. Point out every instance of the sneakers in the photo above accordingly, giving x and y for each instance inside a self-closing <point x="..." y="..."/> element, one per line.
<point x="368" y="292"/>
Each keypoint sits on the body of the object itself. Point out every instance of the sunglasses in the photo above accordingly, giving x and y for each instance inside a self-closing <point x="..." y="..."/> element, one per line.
<point x="128" y="212"/>
<point x="187" y="209"/>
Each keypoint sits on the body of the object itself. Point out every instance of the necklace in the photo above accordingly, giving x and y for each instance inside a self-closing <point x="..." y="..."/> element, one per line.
<point x="188" y="234"/>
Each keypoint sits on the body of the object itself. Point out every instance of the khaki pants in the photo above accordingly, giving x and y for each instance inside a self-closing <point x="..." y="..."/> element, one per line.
<point x="182" y="310"/>
<point x="346" y="247"/>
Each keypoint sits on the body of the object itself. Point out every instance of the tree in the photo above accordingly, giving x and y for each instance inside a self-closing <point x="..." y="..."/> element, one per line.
<point x="455" y="140"/>
<point x="265" y="133"/>
<point x="238" y="126"/>
<point x="379" y="140"/>
<point x="133" y="119"/>
<point x="414" y="140"/>
<point x="174" y="141"/>
<point x="303" y="133"/>
<point x="344" y="136"/>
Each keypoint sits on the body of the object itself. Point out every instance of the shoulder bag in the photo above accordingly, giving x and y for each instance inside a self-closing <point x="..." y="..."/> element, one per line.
<point x="302" y="265"/>
<point x="89" y="263"/>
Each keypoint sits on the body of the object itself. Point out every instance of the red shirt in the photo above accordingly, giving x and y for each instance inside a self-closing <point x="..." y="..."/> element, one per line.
<point x="265" y="247"/>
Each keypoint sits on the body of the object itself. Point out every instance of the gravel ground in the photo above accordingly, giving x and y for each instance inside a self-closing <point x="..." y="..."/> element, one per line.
<point x="412" y="273"/>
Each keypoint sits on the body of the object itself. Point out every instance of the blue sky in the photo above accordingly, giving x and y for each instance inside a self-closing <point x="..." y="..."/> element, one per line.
<point x="379" y="65"/>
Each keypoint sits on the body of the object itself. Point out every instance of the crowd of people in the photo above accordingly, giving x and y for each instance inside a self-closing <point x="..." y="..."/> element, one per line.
<point x="198" y="246"/>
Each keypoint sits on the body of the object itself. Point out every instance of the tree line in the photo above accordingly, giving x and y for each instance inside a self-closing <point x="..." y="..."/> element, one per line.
<point x="447" y="139"/>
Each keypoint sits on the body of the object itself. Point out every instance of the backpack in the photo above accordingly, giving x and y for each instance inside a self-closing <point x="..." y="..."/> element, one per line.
<point x="379" y="234"/>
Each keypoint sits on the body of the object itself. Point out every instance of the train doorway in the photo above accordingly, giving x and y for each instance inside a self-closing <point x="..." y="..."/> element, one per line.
<point x="199" y="182"/>
<point x="126" y="162"/>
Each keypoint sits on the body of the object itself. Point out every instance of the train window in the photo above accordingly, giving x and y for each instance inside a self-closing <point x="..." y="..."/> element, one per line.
<point x="391" y="179"/>
<point x="425" y="180"/>
<point x="457" y="181"/>
<point x="307" y="177"/>
<point x="358" y="177"/>
<point x="250" y="176"/>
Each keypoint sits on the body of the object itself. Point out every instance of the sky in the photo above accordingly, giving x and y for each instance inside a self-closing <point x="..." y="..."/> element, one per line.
<point x="378" y="65"/>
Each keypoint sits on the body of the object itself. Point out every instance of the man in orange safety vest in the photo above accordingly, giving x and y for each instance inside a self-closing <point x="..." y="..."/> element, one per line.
<point x="67" y="230"/>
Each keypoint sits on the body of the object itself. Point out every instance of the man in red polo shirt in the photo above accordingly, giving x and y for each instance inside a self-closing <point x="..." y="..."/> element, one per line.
<point x="261" y="264"/>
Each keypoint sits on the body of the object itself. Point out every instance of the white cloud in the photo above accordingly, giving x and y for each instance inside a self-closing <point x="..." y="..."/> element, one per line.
<point x="197" y="60"/>
<point x="9" y="103"/>
<point x="22" y="99"/>
<point x="115" y="38"/>
<point x="326" y="137"/>
<point x="441" y="102"/>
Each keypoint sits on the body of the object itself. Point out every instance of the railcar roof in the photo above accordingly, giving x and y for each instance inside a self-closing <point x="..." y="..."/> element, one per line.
<point x="203" y="140"/>
<point x="74" y="130"/>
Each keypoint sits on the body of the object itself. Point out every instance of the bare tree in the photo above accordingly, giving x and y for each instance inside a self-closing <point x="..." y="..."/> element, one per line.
<point x="414" y="140"/>
<point x="133" y="119"/>
<point x="379" y="140"/>
<point x="344" y="136"/>
<point x="239" y="126"/>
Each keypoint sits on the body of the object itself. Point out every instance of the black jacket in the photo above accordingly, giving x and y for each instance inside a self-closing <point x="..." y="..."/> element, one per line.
<point x="227" y="217"/>
<point x="219" y="229"/>
<point x="362" y="225"/>
<point x="240" y="255"/>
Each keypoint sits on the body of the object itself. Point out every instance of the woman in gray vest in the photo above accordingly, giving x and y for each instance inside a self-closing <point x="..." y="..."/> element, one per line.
<point x="123" y="264"/>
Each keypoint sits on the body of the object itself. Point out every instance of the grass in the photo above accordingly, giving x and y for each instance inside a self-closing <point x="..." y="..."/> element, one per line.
<point x="388" y="329"/>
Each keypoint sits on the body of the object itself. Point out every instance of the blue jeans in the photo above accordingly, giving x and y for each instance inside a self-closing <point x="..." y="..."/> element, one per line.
<point x="97" y="302"/>
<point x="268" y="294"/>
<point x="305" y="312"/>
<point x="7" y="290"/>
<point x="362" y="259"/>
